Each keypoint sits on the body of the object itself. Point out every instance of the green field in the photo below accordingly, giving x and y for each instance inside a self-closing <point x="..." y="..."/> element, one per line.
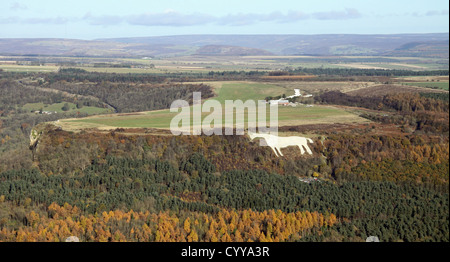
<point x="434" y="85"/>
<point x="57" y="107"/>
<point x="26" y="68"/>
<point x="249" y="91"/>
<point x="287" y="115"/>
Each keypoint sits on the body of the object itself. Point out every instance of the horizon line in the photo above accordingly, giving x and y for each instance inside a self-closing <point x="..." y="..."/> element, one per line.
<point x="180" y="35"/>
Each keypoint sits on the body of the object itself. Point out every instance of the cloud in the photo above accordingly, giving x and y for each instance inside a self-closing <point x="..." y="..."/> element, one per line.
<point x="349" y="13"/>
<point x="17" y="6"/>
<point x="435" y="13"/>
<point x="173" y="18"/>
<point x="294" y="16"/>
<point x="423" y="14"/>
<point x="9" y="20"/>
<point x="55" y="20"/>
<point x="104" y="20"/>
<point x="240" y="19"/>
<point x="169" y="18"/>
<point x="247" y="19"/>
<point x="36" y="20"/>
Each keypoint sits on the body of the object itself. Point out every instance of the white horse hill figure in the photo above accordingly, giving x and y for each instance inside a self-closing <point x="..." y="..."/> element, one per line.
<point x="276" y="142"/>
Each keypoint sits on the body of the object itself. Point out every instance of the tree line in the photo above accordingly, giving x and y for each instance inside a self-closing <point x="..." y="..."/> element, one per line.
<point x="428" y="113"/>
<point x="348" y="72"/>
<point x="58" y="222"/>
<point x="157" y="186"/>
<point x="133" y="97"/>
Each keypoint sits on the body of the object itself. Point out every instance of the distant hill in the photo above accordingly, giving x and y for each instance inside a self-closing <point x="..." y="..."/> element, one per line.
<point x="227" y="50"/>
<point x="423" y="49"/>
<point x="334" y="44"/>
<point x="74" y="47"/>
<point x="426" y="45"/>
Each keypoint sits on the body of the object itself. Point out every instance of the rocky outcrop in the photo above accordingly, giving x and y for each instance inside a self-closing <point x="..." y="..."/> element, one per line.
<point x="37" y="132"/>
<point x="34" y="138"/>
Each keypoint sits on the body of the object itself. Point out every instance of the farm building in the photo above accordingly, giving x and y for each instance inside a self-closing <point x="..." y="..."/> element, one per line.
<point x="297" y="93"/>
<point x="279" y="102"/>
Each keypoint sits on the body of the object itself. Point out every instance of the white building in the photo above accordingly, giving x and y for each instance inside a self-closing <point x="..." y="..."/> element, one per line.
<point x="278" y="102"/>
<point x="297" y="93"/>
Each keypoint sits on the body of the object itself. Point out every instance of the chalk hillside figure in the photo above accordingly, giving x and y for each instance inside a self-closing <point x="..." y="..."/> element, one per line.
<point x="276" y="142"/>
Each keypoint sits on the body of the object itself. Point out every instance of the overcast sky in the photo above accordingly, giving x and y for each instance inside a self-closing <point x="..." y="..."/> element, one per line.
<point x="92" y="19"/>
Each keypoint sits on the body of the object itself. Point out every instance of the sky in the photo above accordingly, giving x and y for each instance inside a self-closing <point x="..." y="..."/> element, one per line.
<point x="94" y="19"/>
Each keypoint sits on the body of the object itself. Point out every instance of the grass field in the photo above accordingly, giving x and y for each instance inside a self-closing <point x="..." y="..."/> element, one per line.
<point x="287" y="116"/>
<point x="24" y="68"/>
<point x="249" y="90"/>
<point x="125" y="70"/>
<point x="226" y="91"/>
<point x="397" y="66"/>
<point x="435" y="85"/>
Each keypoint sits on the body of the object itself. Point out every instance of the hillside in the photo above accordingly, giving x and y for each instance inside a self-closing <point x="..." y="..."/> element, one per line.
<point x="428" y="45"/>
<point x="297" y="44"/>
<point x="80" y="48"/>
<point x="230" y="50"/>
<point x="423" y="49"/>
